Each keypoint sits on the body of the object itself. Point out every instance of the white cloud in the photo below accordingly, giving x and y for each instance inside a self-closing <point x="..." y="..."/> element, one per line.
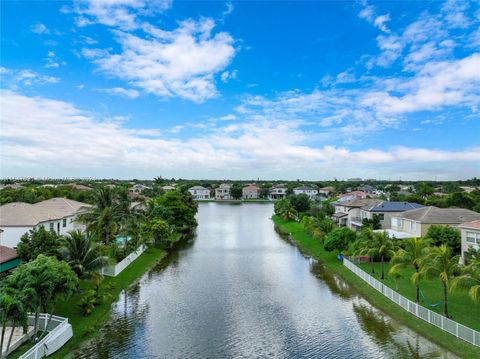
<point x="228" y="75"/>
<point x="122" y="14"/>
<point x="53" y="61"/>
<point x="181" y="62"/>
<point x="129" y="93"/>
<point x="13" y="78"/>
<point x="228" y="9"/>
<point x="252" y="148"/>
<point x="39" y="28"/>
<point x="368" y="13"/>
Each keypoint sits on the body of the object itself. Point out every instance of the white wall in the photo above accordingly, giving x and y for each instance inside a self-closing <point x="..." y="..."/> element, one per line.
<point x="11" y="235"/>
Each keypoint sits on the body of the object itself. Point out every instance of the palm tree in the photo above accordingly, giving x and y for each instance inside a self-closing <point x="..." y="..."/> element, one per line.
<point x="82" y="254"/>
<point x="440" y="262"/>
<point x="412" y="253"/>
<point x="367" y="246"/>
<point x="102" y="219"/>
<point x="12" y="311"/>
<point x="469" y="279"/>
<point x="380" y="245"/>
<point x="285" y="209"/>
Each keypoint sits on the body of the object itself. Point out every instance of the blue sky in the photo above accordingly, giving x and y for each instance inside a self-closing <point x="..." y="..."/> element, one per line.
<point x="240" y="90"/>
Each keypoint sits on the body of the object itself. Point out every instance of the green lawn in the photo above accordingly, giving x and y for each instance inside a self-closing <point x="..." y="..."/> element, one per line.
<point x="86" y="327"/>
<point x="460" y="306"/>
<point x="313" y="247"/>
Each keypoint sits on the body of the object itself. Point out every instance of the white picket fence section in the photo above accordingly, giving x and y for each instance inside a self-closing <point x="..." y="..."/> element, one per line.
<point x="59" y="332"/>
<point x="447" y="325"/>
<point x="114" y="270"/>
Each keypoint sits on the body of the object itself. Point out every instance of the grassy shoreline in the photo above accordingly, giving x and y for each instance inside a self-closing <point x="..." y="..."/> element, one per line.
<point x="86" y="328"/>
<point x="314" y="248"/>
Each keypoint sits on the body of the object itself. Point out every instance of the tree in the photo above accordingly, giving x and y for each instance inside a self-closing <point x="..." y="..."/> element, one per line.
<point x="42" y="283"/>
<point x="339" y="239"/>
<point x="412" y="253"/>
<point x="12" y="311"/>
<point x="441" y="263"/>
<point x="424" y="189"/>
<point x="469" y="279"/>
<point x="373" y="223"/>
<point x="264" y="192"/>
<point x="379" y="245"/>
<point x="366" y="245"/>
<point x="38" y="241"/>
<point x="82" y="254"/>
<point x="161" y="232"/>
<point x="438" y="235"/>
<point x="301" y="202"/>
<point x="285" y="209"/>
<point x="236" y="191"/>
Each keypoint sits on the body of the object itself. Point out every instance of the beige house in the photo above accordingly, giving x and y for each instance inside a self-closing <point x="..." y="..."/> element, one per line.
<point x="470" y="236"/>
<point x="55" y="214"/>
<point x="251" y="192"/>
<point x="385" y="210"/>
<point x="349" y="213"/>
<point x="223" y="191"/>
<point x="417" y="221"/>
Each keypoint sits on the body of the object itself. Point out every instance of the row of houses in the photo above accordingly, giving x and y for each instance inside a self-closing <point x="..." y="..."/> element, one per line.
<point x="405" y="219"/>
<point x="252" y="191"/>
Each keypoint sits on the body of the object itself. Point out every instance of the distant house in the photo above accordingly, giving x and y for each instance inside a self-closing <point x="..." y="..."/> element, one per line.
<point x="326" y="191"/>
<point x="311" y="192"/>
<point x="368" y="189"/>
<point x="55" y="214"/>
<point x="417" y="221"/>
<point x="251" y="192"/>
<point x="470" y="236"/>
<point x="199" y="193"/>
<point x="353" y="195"/>
<point x="223" y="191"/>
<point x="80" y="187"/>
<point x="385" y="210"/>
<point x="348" y="213"/>
<point x="8" y="259"/>
<point x="278" y="191"/>
<point x="137" y="189"/>
<point x="168" y="188"/>
<point x="11" y="185"/>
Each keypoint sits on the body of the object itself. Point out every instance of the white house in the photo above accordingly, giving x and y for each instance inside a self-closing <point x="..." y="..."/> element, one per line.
<point x="309" y="191"/>
<point x="199" y="192"/>
<point x="349" y="213"/>
<point x="223" y="191"/>
<point x="278" y="191"/>
<point x="56" y="214"/>
<point x="470" y="236"/>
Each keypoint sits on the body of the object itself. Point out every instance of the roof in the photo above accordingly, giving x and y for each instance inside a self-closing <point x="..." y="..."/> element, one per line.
<point x="355" y="193"/>
<point x="472" y="224"/>
<point x="280" y="185"/>
<point x="28" y="215"/>
<point x="435" y="215"/>
<point x="359" y="202"/>
<point x="251" y="187"/>
<point x="197" y="188"/>
<point x="328" y="188"/>
<point x="393" y="206"/>
<point x="225" y="185"/>
<point x="7" y="254"/>
<point x="305" y="188"/>
<point x="339" y="214"/>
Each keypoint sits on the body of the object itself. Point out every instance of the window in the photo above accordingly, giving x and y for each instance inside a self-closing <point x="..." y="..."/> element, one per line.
<point x="381" y="216"/>
<point x="52" y="226"/>
<point x="473" y="237"/>
<point x="413" y="225"/>
<point x="64" y="222"/>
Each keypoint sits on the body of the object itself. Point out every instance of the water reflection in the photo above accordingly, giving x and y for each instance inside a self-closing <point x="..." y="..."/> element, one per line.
<point x="241" y="292"/>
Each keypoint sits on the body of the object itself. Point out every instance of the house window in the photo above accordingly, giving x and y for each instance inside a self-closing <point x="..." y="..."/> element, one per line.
<point x="64" y="222"/>
<point x="52" y="226"/>
<point x="413" y="225"/>
<point x="381" y="216"/>
<point x="473" y="237"/>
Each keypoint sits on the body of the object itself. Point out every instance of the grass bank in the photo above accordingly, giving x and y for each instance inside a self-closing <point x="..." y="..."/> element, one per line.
<point x="87" y="327"/>
<point x="314" y="248"/>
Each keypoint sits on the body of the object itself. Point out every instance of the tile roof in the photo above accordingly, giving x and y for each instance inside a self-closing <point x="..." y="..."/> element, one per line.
<point x="7" y="254"/>
<point x="306" y="188"/>
<point x="435" y="215"/>
<point x="472" y="224"/>
<point x="196" y="188"/>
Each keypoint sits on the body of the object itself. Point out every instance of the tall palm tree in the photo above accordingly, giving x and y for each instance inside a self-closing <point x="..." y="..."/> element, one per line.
<point x="469" y="279"/>
<point x="12" y="311"/>
<point x="378" y="245"/>
<point x="367" y="246"/>
<point x="441" y="263"/>
<point x="82" y="254"/>
<point x="411" y="255"/>
<point x="285" y="209"/>
<point x="103" y="218"/>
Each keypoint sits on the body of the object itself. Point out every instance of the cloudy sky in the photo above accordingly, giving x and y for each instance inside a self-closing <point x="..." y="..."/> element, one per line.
<point x="240" y="90"/>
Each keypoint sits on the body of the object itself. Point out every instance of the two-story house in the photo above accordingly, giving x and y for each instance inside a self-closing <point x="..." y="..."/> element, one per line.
<point x="251" y="192"/>
<point x="55" y="214"/>
<point x="223" y="191"/>
<point x="311" y="192"/>
<point x="353" y="195"/>
<point x="278" y="191"/>
<point x="199" y="193"/>
<point x="470" y="236"/>
<point x="348" y="213"/>
<point x="385" y="210"/>
<point x="417" y="221"/>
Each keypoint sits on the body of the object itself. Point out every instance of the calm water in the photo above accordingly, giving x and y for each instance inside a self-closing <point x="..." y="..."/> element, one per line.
<point x="241" y="291"/>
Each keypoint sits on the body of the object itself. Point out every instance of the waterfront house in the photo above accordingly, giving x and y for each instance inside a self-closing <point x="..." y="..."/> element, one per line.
<point x="348" y="213"/>
<point x="470" y="236"/>
<point x="278" y="191"/>
<point x="8" y="259"/>
<point x="311" y="192"/>
<point x="385" y="210"/>
<point x="251" y="192"/>
<point x="416" y="222"/>
<point x="56" y="214"/>
<point x="223" y="191"/>
<point x="199" y="193"/>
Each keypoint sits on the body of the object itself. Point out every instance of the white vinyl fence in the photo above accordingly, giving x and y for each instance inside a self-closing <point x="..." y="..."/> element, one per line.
<point x="114" y="270"/>
<point x="447" y="325"/>
<point x="60" y="332"/>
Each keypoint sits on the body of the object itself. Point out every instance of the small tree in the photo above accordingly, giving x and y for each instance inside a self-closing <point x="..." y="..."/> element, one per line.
<point x="38" y="241"/>
<point x="469" y="279"/>
<point x="12" y="311"/>
<point x="373" y="223"/>
<point x="236" y="191"/>
<point x="438" y="235"/>
<point x="301" y="202"/>
<point x="339" y="239"/>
